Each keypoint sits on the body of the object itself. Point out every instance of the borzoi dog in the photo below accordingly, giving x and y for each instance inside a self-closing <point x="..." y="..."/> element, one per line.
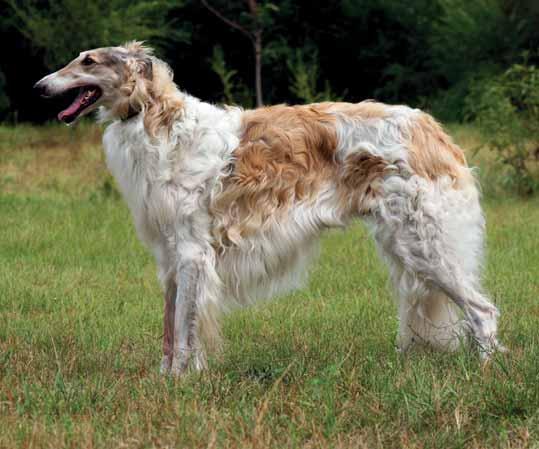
<point x="232" y="202"/>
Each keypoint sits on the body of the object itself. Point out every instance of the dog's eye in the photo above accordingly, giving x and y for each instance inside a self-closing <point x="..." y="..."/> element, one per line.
<point x="88" y="60"/>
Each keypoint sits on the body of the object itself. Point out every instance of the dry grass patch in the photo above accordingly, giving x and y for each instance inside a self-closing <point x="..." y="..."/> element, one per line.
<point x="52" y="160"/>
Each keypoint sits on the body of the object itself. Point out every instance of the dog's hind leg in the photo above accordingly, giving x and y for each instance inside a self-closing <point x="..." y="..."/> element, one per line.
<point x="432" y="235"/>
<point x="428" y="318"/>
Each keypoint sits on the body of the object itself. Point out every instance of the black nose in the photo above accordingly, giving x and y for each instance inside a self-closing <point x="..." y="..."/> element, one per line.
<point x="41" y="89"/>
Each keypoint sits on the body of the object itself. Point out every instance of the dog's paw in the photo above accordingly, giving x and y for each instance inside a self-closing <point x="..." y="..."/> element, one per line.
<point x="489" y="348"/>
<point x="165" y="365"/>
<point x="178" y="367"/>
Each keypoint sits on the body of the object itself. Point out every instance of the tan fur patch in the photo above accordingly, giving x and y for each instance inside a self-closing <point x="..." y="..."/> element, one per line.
<point x="432" y="153"/>
<point x="285" y="154"/>
<point x="360" y="175"/>
<point x="151" y="89"/>
<point x="164" y="104"/>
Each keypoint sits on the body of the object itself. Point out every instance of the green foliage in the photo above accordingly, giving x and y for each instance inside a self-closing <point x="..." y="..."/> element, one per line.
<point x="469" y="34"/>
<point x="234" y="91"/>
<point x="473" y="40"/>
<point x="239" y="12"/>
<point x="420" y="52"/>
<point x="64" y="27"/>
<point x="506" y="109"/>
<point x="305" y="74"/>
<point x="265" y="16"/>
<point x="405" y="73"/>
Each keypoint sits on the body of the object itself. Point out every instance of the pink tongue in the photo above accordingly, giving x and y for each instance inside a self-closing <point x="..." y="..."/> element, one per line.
<point x="73" y="108"/>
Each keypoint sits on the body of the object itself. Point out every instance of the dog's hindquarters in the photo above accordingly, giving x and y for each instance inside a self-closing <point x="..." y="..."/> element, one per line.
<point x="431" y="234"/>
<point x="423" y="205"/>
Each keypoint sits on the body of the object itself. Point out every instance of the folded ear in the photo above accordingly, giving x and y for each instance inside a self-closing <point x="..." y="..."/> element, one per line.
<point x="139" y="58"/>
<point x="145" y="67"/>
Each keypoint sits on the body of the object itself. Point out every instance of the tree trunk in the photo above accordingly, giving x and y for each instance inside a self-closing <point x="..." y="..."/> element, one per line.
<point x="254" y="36"/>
<point x="257" y="43"/>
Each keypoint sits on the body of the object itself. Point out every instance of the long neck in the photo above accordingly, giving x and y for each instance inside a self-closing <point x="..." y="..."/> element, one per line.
<point x="161" y="101"/>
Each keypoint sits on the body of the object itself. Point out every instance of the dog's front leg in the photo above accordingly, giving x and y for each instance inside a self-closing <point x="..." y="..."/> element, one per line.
<point x="171" y="291"/>
<point x="188" y="297"/>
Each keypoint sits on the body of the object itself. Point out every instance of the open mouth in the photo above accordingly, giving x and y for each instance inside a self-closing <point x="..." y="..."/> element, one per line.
<point x="86" y="96"/>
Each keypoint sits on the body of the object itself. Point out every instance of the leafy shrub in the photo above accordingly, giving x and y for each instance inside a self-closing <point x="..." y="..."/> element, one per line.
<point x="506" y="109"/>
<point x="471" y="40"/>
<point x="305" y="73"/>
<point x="62" y="28"/>
<point x="234" y="91"/>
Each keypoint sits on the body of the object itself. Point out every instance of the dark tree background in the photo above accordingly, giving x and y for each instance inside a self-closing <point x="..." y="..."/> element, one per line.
<point x="425" y="53"/>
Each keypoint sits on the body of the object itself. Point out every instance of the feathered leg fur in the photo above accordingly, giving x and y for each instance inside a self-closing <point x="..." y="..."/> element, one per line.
<point x="168" y="325"/>
<point x="432" y="239"/>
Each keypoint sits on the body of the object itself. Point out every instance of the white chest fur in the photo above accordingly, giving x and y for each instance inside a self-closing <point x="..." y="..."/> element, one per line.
<point x="124" y="145"/>
<point x="165" y="181"/>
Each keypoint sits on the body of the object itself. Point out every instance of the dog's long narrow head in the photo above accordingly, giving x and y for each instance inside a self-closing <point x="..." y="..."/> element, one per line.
<point x="112" y="77"/>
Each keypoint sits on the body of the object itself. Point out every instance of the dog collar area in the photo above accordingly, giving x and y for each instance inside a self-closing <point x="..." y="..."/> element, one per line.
<point x="130" y="114"/>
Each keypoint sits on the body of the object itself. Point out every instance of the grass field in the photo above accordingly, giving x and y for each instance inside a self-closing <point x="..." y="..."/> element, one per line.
<point x="80" y="327"/>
